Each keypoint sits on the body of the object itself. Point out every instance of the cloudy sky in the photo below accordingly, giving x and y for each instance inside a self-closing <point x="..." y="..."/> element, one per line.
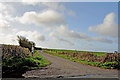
<point x="90" y="26"/>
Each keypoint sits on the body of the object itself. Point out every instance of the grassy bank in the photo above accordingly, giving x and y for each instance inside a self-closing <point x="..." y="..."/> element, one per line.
<point x="14" y="63"/>
<point x="108" y="65"/>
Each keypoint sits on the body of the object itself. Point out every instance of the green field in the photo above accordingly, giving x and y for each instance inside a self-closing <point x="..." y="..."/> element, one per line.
<point x="60" y="51"/>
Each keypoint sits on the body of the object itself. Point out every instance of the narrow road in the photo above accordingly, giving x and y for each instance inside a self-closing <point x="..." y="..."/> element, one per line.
<point x="60" y="68"/>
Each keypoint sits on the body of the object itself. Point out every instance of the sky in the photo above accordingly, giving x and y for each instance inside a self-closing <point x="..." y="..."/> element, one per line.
<point x="85" y="26"/>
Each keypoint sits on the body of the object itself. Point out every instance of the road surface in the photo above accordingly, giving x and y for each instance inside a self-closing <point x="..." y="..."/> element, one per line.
<point x="62" y="68"/>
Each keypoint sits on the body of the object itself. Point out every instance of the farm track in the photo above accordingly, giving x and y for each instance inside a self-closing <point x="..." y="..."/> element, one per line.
<point x="62" y="68"/>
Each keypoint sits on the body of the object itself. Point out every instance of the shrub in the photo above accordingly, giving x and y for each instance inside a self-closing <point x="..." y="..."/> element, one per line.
<point x="24" y="42"/>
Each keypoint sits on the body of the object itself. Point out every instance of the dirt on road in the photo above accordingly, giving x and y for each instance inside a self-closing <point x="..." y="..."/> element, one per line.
<point x="62" y="68"/>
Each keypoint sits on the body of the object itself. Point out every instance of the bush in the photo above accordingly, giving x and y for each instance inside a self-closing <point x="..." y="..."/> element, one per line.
<point x="23" y="42"/>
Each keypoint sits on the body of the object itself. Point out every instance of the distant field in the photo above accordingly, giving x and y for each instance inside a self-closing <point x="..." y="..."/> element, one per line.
<point x="72" y="51"/>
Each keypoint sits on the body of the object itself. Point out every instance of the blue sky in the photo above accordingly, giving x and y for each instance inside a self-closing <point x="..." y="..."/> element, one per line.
<point x="67" y="25"/>
<point x="90" y="13"/>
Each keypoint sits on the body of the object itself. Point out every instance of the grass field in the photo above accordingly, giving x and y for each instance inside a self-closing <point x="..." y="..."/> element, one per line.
<point x="60" y="50"/>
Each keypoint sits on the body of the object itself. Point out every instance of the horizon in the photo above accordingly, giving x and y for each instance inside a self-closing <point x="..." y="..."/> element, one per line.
<point x="61" y="25"/>
<point x="65" y="49"/>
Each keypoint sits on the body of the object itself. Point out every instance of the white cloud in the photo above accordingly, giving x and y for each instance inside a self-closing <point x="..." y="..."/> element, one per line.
<point x="107" y="28"/>
<point x="64" y="32"/>
<point x="7" y="34"/>
<point x="63" y="40"/>
<point x="57" y="38"/>
<point x="6" y="12"/>
<point x="54" y="5"/>
<point x="7" y="39"/>
<point x="49" y="5"/>
<point x="10" y="36"/>
<point x="99" y="39"/>
<point x="6" y="9"/>
<point x="45" y="18"/>
<point x="4" y="25"/>
<point x="30" y="2"/>
<point x="32" y="35"/>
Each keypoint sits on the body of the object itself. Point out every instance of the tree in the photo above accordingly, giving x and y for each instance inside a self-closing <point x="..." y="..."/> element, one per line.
<point x="24" y="42"/>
